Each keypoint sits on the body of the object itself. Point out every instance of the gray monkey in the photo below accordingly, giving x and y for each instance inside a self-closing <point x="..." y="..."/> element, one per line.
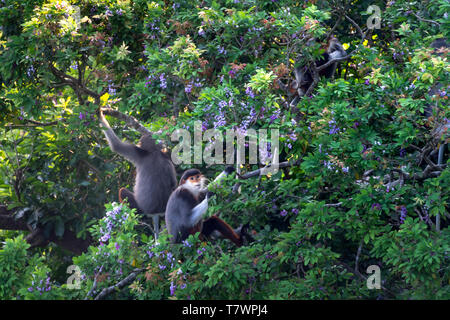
<point x="155" y="173"/>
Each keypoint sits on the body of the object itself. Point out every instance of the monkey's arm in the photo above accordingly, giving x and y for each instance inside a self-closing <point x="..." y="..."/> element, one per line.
<point x="198" y="211"/>
<point x="228" y="170"/>
<point x="127" y="150"/>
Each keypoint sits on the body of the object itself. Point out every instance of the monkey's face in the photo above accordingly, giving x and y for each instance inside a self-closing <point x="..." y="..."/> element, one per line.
<point x="195" y="183"/>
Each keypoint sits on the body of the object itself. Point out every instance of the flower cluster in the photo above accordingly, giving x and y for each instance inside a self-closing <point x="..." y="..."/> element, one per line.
<point x="163" y="81"/>
<point x="41" y="287"/>
<point x="113" y="219"/>
<point x="249" y="92"/>
<point x="333" y="127"/>
<point x="292" y="137"/>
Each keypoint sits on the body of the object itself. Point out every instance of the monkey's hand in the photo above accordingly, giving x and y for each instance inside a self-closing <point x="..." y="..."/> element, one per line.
<point x="103" y="122"/>
<point x="229" y="169"/>
<point x="209" y="194"/>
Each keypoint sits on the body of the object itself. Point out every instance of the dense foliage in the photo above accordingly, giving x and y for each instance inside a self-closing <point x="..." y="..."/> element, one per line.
<point x="365" y="188"/>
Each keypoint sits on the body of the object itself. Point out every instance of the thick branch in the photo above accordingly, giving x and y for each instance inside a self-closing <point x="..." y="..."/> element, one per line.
<point x="130" y="120"/>
<point x="76" y="84"/>
<point x="36" y="238"/>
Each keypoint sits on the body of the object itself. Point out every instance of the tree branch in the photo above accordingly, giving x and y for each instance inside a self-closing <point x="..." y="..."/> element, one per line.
<point x="129" y="279"/>
<point x="130" y="120"/>
<point x="36" y="237"/>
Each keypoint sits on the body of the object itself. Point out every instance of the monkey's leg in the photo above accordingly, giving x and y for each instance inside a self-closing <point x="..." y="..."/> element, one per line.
<point x="155" y="218"/>
<point x="129" y="196"/>
<point x="125" y="194"/>
<point x="214" y="223"/>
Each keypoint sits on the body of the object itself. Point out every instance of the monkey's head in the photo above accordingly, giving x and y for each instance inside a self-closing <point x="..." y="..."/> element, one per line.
<point x="147" y="143"/>
<point x="193" y="180"/>
<point x="335" y="45"/>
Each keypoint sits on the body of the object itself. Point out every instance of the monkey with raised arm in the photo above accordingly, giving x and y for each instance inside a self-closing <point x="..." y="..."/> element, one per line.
<point x="185" y="210"/>
<point x="155" y="173"/>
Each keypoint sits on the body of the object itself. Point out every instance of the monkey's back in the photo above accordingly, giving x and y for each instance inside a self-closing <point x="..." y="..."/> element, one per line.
<point x="155" y="181"/>
<point x="178" y="213"/>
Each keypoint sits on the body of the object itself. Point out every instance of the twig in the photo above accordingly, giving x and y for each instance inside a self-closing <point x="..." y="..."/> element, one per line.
<point x="94" y="285"/>
<point x="260" y="171"/>
<point x="118" y="286"/>
<point x="358" y="253"/>
<point x="426" y="20"/>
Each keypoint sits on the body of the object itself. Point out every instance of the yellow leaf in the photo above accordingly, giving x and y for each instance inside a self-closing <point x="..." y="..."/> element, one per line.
<point x="104" y="99"/>
<point x="346" y="46"/>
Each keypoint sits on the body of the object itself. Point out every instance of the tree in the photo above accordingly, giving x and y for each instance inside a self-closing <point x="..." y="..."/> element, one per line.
<point x="362" y="183"/>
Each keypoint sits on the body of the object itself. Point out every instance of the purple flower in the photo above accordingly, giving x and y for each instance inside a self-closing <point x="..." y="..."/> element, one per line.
<point x="30" y="71"/>
<point x="367" y="82"/>
<point x="111" y="90"/>
<point x="402" y="152"/>
<point x="186" y="244"/>
<point x="172" y="288"/>
<point x="163" y="81"/>
<point x="376" y="206"/>
<point x="222" y="104"/>
<point x="333" y="128"/>
<point x="188" y="88"/>
<point x="283" y="213"/>
<point x="117" y="246"/>
<point x="222" y="50"/>
<point x="295" y="211"/>
<point x="403" y="213"/>
<point x="273" y="117"/>
<point x="249" y="92"/>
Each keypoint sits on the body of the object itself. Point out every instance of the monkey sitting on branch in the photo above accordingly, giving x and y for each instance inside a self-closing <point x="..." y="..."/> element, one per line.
<point x="306" y="76"/>
<point x="185" y="210"/>
<point x="155" y="172"/>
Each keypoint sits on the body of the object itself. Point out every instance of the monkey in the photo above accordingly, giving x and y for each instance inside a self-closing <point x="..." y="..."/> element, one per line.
<point x="440" y="46"/>
<point x="155" y="173"/>
<point x="185" y="210"/>
<point x="303" y="74"/>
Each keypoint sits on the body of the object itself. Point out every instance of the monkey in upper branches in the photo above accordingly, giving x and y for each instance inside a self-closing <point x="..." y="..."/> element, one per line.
<point x="185" y="210"/>
<point x="304" y="77"/>
<point x="155" y="173"/>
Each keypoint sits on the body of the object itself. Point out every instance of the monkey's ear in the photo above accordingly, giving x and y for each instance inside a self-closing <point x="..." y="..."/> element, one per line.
<point x="229" y="169"/>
